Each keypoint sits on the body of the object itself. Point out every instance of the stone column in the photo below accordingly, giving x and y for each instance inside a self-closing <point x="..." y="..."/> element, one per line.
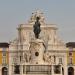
<point x="52" y="69"/>
<point x="52" y="60"/>
<point x="65" y="70"/>
<point x="11" y="70"/>
<point x="25" y="69"/>
<point x="49" y="70"/>
<point x="74" y="70"/>
<point x="65" y="65"/>
<point x="61" y="70"/>
<point x="0" y="70"/>
<point x="21" y="69"/>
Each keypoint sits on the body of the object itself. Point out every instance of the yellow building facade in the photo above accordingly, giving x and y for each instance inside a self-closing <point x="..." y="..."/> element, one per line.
<point x="71" y="58"/>
<point x="4" y="58"/>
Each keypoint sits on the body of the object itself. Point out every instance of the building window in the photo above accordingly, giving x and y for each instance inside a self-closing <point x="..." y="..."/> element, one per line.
<point x="70" y="49"/>
<point x="20" y="58"/>
<point x="4" y="53"/>
<point x="60" y="60"/>
<point x="4" y="60"/>
<point x="57" y="69"/>
<point x="70" y="53"/>
<point x="4" y="49"/>
<point x="54" y="59"/>
<point x="17" y="69"/>
<point x="70" y="60"/>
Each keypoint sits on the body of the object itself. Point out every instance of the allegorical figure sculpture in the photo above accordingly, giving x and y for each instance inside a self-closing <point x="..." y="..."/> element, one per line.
<point x="36" y="27"/>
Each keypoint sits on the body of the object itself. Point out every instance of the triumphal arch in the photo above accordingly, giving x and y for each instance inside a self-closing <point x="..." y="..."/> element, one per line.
<point x="38" y="50"/>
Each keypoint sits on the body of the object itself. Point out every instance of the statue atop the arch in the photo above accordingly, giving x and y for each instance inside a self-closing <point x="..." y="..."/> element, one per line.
<point x="37" y="13"/>
<point x="36" y="28"/>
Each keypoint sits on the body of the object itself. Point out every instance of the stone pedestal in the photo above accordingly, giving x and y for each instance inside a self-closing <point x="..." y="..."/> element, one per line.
<point x="37" y="50"/>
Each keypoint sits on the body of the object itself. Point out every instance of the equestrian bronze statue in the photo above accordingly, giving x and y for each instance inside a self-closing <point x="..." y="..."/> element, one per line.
<point x="36" y="28"/>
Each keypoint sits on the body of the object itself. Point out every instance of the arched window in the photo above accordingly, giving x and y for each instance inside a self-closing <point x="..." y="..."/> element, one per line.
<point x="4" y="71"/>
<point x="70" y="71"/>
<point x="57" y="69"/>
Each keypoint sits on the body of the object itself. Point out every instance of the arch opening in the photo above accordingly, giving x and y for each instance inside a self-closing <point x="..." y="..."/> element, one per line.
<point x="70" y="71"/>
<point x="4" y="71"/>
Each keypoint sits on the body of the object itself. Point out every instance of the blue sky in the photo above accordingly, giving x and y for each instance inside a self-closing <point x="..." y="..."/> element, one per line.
<point x="15" y="12"/>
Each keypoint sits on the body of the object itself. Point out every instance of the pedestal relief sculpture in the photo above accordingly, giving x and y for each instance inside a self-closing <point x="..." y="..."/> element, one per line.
<point x="37" y="50"/>
<point x="27" y="57"/>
